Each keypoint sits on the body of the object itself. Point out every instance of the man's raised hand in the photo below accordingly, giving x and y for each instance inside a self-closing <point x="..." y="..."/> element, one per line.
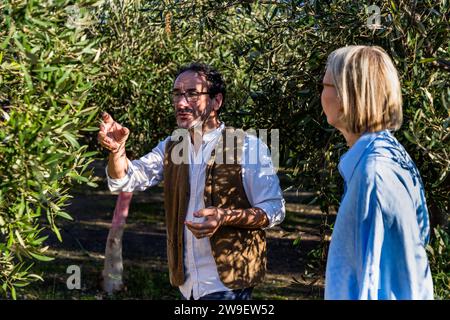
<point x="112" y="135"/>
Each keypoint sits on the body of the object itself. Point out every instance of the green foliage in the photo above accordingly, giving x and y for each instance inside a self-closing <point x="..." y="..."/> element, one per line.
<point x="61" y="61"/>
<point x="439" y="257"/>
<point x="46" y="72"/>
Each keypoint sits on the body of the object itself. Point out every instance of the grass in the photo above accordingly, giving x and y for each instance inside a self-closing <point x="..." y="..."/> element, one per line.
<point x="142" y="282"/>
<point x="277" y="287"/>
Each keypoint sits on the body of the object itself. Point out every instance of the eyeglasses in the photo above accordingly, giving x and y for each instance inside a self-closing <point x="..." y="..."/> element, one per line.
<point x="190" y="96"/>
<point x="320" y="86"/>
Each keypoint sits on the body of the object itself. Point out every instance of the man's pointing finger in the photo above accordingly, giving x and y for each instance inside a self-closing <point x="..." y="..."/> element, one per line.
<point x="107" y="118"/>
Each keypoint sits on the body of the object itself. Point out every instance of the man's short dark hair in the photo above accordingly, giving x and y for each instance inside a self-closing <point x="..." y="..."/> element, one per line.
<point x="213" y="77"/>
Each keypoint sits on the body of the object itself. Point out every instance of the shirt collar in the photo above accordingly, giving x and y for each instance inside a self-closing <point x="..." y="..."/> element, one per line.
<point x="350" y="159"/>
<point x="211" y="135"/>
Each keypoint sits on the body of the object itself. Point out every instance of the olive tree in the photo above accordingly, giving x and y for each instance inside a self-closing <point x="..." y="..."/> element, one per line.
<point x="47" y="68"/>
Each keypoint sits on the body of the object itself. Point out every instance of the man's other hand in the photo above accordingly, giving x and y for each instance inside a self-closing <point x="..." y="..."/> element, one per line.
<point x="214" y="218"/>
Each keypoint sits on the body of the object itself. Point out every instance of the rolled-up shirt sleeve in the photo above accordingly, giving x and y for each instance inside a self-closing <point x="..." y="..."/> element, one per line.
<point x="142" y="173"/>
<point x="260" y="180"/>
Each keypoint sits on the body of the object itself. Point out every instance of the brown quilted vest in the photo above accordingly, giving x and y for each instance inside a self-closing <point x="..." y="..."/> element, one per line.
<point x="240" y="253"/>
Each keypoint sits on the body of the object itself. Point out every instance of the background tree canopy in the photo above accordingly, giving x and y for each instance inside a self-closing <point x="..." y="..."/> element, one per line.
<point x="62" y="62"/>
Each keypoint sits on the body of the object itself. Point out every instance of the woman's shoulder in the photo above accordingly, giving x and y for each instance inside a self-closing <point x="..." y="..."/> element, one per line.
<point x="385" y="155"/>
<point x="388" y="165"/>
<point x="385" y="150"/>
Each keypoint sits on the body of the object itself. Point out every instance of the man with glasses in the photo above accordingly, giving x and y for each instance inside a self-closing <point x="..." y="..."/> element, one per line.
<point x="216" y="212"/>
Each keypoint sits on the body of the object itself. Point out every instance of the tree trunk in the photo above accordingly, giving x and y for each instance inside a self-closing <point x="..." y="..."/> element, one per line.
<point x="113" y="268"/>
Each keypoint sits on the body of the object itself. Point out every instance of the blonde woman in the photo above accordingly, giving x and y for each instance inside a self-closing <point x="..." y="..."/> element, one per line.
<point x="378" y="244"/>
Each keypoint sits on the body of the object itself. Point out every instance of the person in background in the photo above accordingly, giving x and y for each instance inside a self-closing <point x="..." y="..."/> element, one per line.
<point x="377" y="250"/>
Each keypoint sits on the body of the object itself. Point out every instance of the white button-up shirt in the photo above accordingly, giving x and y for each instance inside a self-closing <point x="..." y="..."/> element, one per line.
<point x="261" y="186"/>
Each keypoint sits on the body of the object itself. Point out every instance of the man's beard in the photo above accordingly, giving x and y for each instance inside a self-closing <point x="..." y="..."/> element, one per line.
<point x="188" y="124"/>
<point x="198" y="122"/>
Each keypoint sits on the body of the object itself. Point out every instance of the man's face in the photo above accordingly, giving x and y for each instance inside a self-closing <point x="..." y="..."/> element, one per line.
<point x="189" y="99"/>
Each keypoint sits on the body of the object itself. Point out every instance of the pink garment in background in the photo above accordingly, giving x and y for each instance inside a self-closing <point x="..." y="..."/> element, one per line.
<point x="113" y="267"/>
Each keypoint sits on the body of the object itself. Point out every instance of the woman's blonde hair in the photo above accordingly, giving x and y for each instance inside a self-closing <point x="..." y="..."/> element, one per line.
<point x="368" y="88"/>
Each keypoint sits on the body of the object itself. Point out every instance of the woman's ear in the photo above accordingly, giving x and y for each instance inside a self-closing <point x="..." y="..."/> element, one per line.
<point x="218" y="99"/>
